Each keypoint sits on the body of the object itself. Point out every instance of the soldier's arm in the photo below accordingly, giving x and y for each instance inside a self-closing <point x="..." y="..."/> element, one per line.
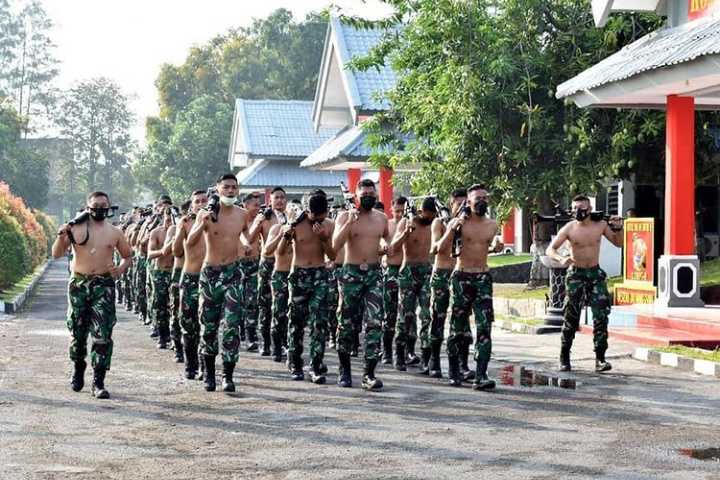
<point x="154" y="245"/>
<point x="560" y="238"/>
<point x="167" y="249"/>
<point x="125" y="250"/>
<point x="342" y="233"/>
<point x="447" y="237"/>
<point x="61" y="243"/>
<point x="255" y="228"/>
<point x="201" y="224"/>
<point x="178" y="247"/>
<point x="437" y="233"/>
<point x="616" y="238"/>
<point x="327" y="242"/>
<point x="272" y="241"/>
<point x="401" y="234"/>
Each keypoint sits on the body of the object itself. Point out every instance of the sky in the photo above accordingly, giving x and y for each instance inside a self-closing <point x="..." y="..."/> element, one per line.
<point x="128" y="40"/>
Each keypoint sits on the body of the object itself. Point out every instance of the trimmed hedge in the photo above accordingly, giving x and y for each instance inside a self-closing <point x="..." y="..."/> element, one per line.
<point x="24" y="241"/>
<point x="49" y="227"/>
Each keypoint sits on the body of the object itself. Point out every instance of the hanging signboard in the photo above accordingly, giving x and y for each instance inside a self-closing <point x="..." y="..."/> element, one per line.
<point x="701" y="8"/>
<point x="639" y="255"/>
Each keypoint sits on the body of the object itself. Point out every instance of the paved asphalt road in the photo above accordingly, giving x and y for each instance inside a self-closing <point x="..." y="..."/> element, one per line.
<point x="626" y="424"/>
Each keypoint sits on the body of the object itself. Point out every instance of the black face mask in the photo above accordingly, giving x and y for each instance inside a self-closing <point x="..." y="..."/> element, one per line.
<point x="99" y="214"/>
<point x="367" y="202"/>
<point x="480" y="208"/>
<point x="581" y="214"/>
<point x="424" y="221"/>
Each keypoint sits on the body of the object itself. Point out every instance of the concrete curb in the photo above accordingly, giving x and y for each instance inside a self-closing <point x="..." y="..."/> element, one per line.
<point x="18" y="302"/>
<point x="518" y="327"/>
<point x="687" y="364"/>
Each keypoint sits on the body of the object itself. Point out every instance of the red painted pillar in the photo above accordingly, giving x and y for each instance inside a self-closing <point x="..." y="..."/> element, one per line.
<point x="353" y="177"/>
<point x="680" y="176"/>
<point x="386" y="188"/>
<point x="508" y="229"/>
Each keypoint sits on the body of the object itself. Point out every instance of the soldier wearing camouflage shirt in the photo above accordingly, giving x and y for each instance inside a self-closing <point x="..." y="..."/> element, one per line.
<point x="309" y="239"/>
<point x="472" y="287"/>
<point x="91" y="290"/>
<point x="440" y="291"/>
<point x="361" y="282"/>
<point x="221" y="279"/>
<point x="585" y="278"/>
<point x="414" y="237"/>
<point x="193" y="256"/>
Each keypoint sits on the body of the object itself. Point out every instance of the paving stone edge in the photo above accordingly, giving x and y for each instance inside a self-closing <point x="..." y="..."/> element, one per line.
<point x="18" y="302"/>
<point x="673" y="360"/>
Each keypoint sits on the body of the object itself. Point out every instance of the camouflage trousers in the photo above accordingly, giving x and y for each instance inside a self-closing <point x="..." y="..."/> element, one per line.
<point x="414" y="294"/>
<point x="174" y="305"/>
<point x="250" y="270"/>
<point x="308" y="296"/>
<point x="150" y="293"/>
<point x="140" y="293"/>
<point x="391" y="289"/>
<point x="221" y="300"/>
<point x="333" y="297"/>
<point x="280" y="302"/>
<point x="439" y="303"/>
<point x="161" y="280"/>
<point x="189" y="303"/>
<point x="91" y="309"/>
<point x="589" y="284"/>
<point x="471" y="293"/>
<point x="264" y="294"/>
<point x="362" y="297"/>
<point x="128" y="285"/>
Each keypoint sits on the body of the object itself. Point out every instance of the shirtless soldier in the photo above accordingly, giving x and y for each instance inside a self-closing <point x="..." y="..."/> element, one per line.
<point x="91" y="290"/>
<point x="391" y="286"/>
<point x="440" y="288"/>
<point x="472" y="288"/>
<point x="221" y="280"/>
<point x="193" y="256"/>
<point x="175" y="328"/>
<point x="310" y="241"/>
<point x="249" y="260"/>
<point x="414" y="237"/>
<point x="280" y="289"/>
<point x="161" y="278"/>
<point x="278" y="202"/>
<point x="585" y="278"/>
<point x="361" y="281"/>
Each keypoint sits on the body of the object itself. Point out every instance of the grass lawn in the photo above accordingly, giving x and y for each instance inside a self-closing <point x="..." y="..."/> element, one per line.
<point x="10" y="294"/>
<point x="710" y="272"/>
<point x="514" y="319"/>
<point x="502" y="260"/>
<point x="518" y="291"/>
<point x="711" y="355"/>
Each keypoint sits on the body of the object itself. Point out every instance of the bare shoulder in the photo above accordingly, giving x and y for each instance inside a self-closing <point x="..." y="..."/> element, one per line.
<point x="380" y="216"/>
<point x="342" y="218"/>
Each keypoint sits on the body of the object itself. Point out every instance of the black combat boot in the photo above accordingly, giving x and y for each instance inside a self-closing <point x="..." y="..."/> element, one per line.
<point x="387" y="348"/>
<point x="276" y="347"/>
<point x="565" y="358"/>
<point x="209" y="373"/>
<point x="227" y="382"/>
<point x="191" y="357"/>
<point x="344" y="373"/>
<point x="333" y="339"/>
<point x="482" y="382"/>
<point x="243" y="335"/>
<point x="435" y="370"/>
<point x="77" y="382"/>
<point x="98" y="387"/>
<point x="425" y="363"/>
<point x="465" y="372"/>
<point x="201" y="367"/>
<point x="355" y="351"/>
<point x="600" y="364"/>
<point x="412" y="359"/>
<point x="369" y="382"/>
<point x="296" y="369"/>
<point x="265" y="352"/>
<point x="400" y="365"/>
<point x="179" y="355"/>
<point x="154" y="333"/>
<point x="454" y="378"/>
<point x="252" y="339"/>
<point x="317" y="375"/>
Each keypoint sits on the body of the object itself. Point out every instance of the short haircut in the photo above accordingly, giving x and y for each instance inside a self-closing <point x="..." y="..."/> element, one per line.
<point x="318" y="204"/>
<point x="185" y="206"/>
<point x="458" y="192"/>
<point x="318" y="191"/>
<point x="277" y="189"/>
<point x="250" y="196"/>
<point x="428" y="204"/>
<point x="98" y="194"/>
<point x="399" y="201"/>
<point x="366" y="182"/>
<point x="199" y="192"/>
<point x="296" y="201"/>
<point x="477" y="186"/>
<point x="580" y="198"/>
<point x="227" y="176"/>
<point x="164" y="199"/>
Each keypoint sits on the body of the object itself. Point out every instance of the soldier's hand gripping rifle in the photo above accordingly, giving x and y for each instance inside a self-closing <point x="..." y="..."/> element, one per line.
<point x="348" y="197"/>
<point x="457" y="244"/>
<point x="410" y="213"/>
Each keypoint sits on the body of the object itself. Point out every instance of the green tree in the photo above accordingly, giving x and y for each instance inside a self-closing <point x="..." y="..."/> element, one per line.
<point x="275" y="58"/>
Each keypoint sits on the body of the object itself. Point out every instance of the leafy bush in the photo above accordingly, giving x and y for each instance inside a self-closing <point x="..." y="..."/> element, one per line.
<point x="13" y="206"/>
<point x="48" y="225"/>
<point x="15" y="261"/>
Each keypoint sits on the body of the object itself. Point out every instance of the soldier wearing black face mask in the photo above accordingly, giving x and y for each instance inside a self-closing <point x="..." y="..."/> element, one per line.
<point x="414" y="236"/>
<point x="91" y="289"/>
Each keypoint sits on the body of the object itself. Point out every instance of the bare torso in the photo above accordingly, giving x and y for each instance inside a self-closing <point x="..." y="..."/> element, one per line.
<point x="157" y="240"/>
<point x="443" y="258"/>
<point x="96" y="256"/>
<point x="221" y="237"/>
<point x="478" y="234"/>
<point x="194" y="254"/>
<point x="397" y="257"/>
<point x="585" y="239"/>
<point x="363" y="243"/>
<point x="416" y="247"/>
<point x="307" y="247"/>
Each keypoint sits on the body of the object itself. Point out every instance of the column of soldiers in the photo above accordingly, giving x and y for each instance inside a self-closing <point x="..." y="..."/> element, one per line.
<point x="221" y="271"/>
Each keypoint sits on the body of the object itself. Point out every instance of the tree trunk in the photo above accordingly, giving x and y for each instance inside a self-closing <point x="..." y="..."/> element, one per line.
<point x="542" y="231"/>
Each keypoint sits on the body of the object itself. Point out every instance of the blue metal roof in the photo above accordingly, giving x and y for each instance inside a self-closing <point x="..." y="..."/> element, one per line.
<point x="363" y="86"/>
<point x="277" y="128"/>
<point x="347" y="144"/>
<point x="288" y="173"/>
<point x="663" y="48"/>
